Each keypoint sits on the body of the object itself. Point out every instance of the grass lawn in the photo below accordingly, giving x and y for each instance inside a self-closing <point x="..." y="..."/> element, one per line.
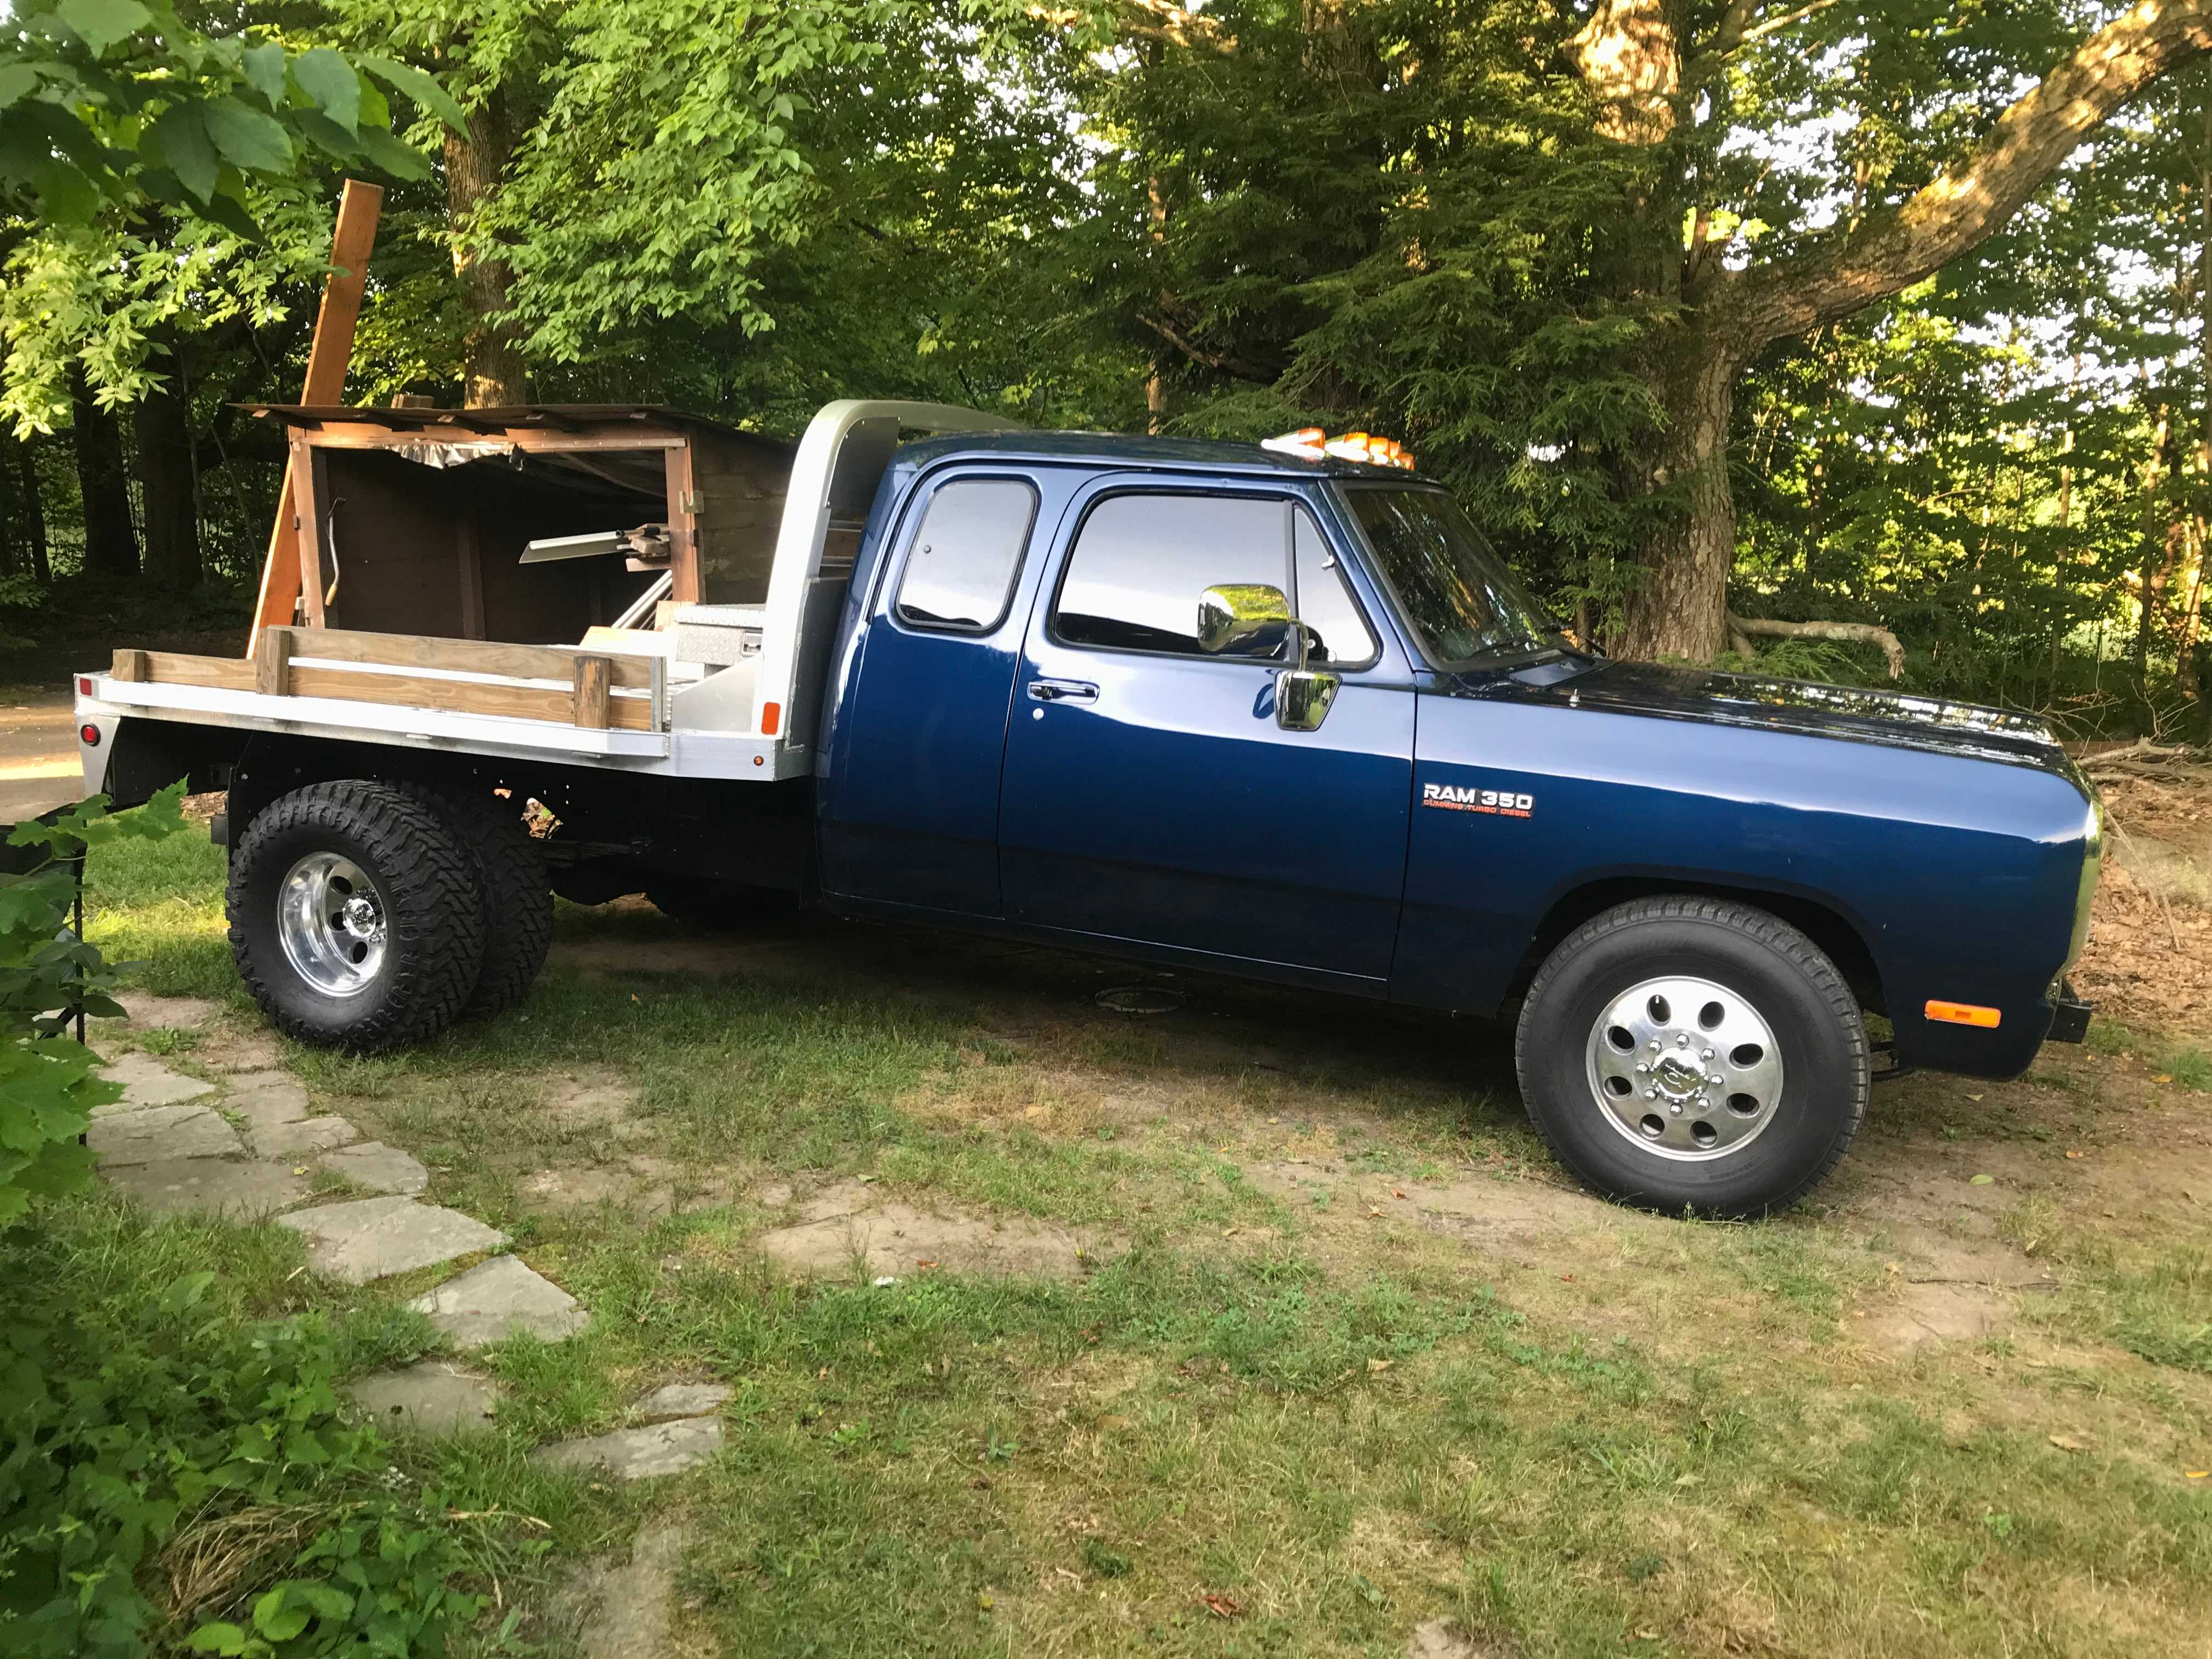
<point x="1340" y="1353"/>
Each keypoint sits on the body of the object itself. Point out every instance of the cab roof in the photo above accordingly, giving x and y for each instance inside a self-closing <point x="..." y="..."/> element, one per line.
<point x="1141" y="453"/>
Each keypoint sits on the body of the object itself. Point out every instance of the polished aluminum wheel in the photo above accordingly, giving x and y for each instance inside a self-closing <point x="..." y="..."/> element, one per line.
<point x="330" y="920"/>
<point x="1685" y="1068"/>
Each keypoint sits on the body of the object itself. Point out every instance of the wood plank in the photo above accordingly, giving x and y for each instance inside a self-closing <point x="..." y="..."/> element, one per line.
<point x="352" y="240"/>
<point x="131" y="666"/>
<point x="591" y="695"/>
<point x="309" y="486"/>
<point x="176" y="668"/>
<point x="272" y="663"/>
<point x="520" y="662"/>
<point x="683" y="527"/>
<point x="529" y="702"/>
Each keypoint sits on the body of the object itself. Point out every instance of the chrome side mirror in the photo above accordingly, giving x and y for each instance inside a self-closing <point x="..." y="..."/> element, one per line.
<point x="1243" y="619"/>
<point x="1251" y="619"/>
<point x="1303" y="696"/>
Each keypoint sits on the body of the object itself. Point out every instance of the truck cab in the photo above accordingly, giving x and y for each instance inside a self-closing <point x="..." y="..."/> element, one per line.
<point x="1282" y="716"/>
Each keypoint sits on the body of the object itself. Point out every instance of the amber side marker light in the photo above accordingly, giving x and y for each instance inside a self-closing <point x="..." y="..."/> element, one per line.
<point x="1964" y="1013"/>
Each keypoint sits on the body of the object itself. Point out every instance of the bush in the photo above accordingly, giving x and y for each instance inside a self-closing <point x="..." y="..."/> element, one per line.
<point x="174" y="1473"/>
<point x="47" y="1083"/>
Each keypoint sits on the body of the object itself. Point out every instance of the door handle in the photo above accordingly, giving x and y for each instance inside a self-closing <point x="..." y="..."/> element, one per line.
<point x="1063" y="692"/>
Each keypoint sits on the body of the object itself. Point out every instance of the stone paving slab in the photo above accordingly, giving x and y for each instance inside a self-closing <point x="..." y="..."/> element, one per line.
<point x="432" y="1396"/>
<point x="639" y="1454"/>
<point x="265" y="1100"/>
<point x="627" y="1610"/>
<point x="243" y="1192"/>
<point x="147" y="1082"/>
<point x="683" y="1400"/>
<point x="495" y="1298"/>
<point x="376" y="1237"/>
<point x="309" y="1135"/>
<point x="379" y="1168"/>
<point x="153" y="1134"/>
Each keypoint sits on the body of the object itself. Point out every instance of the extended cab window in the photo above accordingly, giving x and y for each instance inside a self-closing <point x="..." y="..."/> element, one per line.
<point x="960" y="574"/>
<point x="1141" y="562"/>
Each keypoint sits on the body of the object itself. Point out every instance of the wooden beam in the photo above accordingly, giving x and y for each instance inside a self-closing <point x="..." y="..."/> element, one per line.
<point x="327" y="358"/>
<point x="272" y="663"/>
<point x="591" y="699"/>
<point x="631" y="670"/>
<point x="134" y="667"/>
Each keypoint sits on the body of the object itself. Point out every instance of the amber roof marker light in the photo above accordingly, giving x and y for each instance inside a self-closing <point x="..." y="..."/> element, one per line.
<point x="1310" y="443"/>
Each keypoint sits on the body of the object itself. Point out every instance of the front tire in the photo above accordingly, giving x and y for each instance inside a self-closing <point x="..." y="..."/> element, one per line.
<point x="1687" y="1054"/>
<point x="355" y="918"/>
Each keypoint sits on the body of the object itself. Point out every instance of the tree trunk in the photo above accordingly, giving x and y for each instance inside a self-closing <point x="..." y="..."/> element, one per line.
<point x="1631" y="53"/>
<point x="34" y="513"/>
<point x="1681" y="609"/>
<point x="111" y="545"/>
<point x="167" y="484"/>
<point x="493" y="375"/>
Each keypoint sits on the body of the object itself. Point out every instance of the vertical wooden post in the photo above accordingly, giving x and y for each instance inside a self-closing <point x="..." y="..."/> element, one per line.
<point x="272" y="663"/>
<point x="592" y="676"/>
<point x="685" y="582"/>
<point x="327" y="357"/>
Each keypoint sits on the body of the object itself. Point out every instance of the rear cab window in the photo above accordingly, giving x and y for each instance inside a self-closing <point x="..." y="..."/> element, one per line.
<point x="960" y="569"/>
<point x="1141" y="559"/>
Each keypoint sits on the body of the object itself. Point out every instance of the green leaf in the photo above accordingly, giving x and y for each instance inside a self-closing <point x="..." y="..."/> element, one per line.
<point x="231" y="214"/>
<point x="217" y="1636"/>
<point x="424" y="88"/>
<point x="101" y="23"/>
<point x="393" y="157"/>
<point x="277" y="1620"/>
<point x="246" y="137"/>
<point x="16" y="81"/>
<point x="333" y="82"/>
<point x="181" y="138"/>
<point x="265" y="71"/>
<point x="66" y="195"/>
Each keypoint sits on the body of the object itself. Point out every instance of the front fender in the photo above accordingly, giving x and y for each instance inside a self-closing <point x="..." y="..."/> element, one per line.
<point x="1960" y="876"/>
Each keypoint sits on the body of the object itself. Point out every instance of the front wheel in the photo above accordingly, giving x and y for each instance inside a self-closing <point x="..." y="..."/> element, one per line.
<point x="1694" y="1054"/>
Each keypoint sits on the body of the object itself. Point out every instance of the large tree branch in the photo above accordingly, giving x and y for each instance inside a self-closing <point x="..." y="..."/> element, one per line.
<point x="1176" y="331"/>
<point x="1972" y="198"/>
<point x="1145" y="20"/>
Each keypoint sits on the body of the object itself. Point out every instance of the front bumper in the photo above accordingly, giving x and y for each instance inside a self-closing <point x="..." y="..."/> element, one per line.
<point x="2070" y="1017"/>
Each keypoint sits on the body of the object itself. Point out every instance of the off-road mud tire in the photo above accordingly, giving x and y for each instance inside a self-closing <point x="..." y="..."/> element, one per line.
<point x="426" y="881"/>
<point x="1815" y="1019"/>
<point x="518" y="893"/>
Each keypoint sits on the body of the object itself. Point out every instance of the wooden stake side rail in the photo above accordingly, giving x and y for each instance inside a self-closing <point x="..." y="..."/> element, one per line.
<point x="276" y="669"/>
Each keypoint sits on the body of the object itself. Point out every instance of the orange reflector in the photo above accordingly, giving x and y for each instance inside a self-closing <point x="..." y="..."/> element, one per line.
<point x="1964" y="1013"/>
<point x="771" y="717"/>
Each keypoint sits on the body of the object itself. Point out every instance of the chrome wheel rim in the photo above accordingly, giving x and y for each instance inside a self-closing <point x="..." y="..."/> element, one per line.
<point x="330" y="920"/>
<point x="1685" y="1068"/>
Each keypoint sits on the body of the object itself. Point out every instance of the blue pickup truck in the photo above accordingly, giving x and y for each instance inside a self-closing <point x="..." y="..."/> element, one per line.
<point x="1280" y="716"/>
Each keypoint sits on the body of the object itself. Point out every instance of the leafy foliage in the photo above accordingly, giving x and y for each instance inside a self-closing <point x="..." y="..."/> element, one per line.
<point x="173" y="1473"/>
<point x="48" y="1084"/>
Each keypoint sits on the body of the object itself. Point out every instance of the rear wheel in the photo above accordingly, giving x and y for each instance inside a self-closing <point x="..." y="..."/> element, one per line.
<point x="1689" y="1054"/>
<point x="355" y="917"/>
<point x="518" y="895"/>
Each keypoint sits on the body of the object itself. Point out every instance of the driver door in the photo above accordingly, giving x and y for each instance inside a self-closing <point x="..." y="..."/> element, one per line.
<point x="1149" y="794"/>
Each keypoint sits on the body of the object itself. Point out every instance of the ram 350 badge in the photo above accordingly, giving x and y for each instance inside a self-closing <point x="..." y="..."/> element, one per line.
<point x="1502" y="802"/>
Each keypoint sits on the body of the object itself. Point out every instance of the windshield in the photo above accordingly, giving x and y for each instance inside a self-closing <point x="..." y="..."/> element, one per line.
<point x="1466" y="606"/>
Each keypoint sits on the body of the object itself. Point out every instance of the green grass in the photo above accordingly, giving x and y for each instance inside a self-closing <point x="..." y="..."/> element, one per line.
<point x="1603" y="1434"/>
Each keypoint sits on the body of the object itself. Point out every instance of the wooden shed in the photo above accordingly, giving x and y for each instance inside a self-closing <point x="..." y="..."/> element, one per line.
<point x="421" y="520"/>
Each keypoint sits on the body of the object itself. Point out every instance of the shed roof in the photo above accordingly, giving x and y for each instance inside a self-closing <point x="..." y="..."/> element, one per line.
<point x="594" y="418"/>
